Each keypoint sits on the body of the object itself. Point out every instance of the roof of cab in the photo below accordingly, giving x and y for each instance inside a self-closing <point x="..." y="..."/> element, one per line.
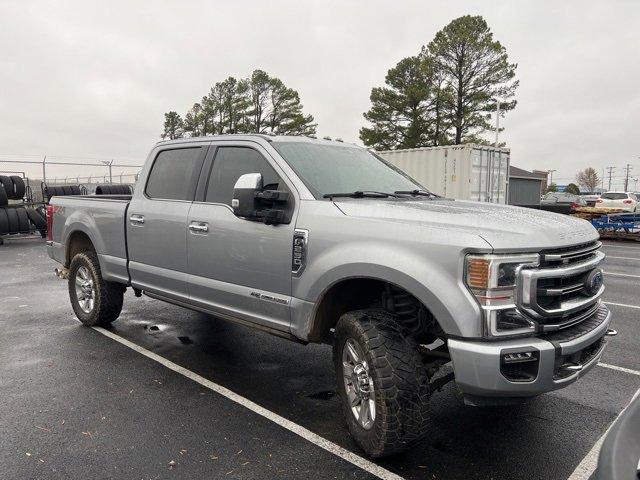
<point x="253" y="136"/>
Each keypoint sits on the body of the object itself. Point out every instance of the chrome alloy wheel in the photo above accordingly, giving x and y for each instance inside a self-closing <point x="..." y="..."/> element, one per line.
<point x="358" y="384"/>
<point x="85" y="290"/>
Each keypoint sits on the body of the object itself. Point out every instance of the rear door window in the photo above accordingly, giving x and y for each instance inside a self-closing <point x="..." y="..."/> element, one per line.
<point x="232" y="162"/>
<point x="174" y="174"/>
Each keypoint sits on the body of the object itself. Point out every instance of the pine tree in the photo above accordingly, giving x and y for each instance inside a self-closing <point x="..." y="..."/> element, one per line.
<point x="477" y="69"/>
<point x="258" y="104"/>
<point x="407" y="112"/>
<point x="173" y="126"/>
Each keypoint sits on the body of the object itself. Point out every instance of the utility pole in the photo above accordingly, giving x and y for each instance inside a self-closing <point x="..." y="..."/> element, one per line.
<point x="626" y="178"/>
<point x="108" y="164"/>
<point x="611" y="169"/>
<point x="550" y="172"/>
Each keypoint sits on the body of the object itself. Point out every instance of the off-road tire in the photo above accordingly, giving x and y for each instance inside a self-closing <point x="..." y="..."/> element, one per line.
<point x="400" y="379"/>
<point x="109" y="296"/>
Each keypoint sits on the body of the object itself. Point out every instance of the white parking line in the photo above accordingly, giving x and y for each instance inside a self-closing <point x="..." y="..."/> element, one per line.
<point x="308" y="435"/>
<point x="611" y="245"/>
<point x="621" y="275"/>
<point x="589" y="463"/>
<point x="622" y="305"/>
<point x="624" y="258"/>
<point x="620" y="369"/>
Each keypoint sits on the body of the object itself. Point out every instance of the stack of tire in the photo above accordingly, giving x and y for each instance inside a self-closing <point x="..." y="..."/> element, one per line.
<point x="61" y="191"/>
<point x="113" y="190"/>
<point x="16" y="218"/>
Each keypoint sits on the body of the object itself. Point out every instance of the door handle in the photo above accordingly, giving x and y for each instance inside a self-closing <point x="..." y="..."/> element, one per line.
<point x="199" y="227"/>
<point x="136" y="220"/>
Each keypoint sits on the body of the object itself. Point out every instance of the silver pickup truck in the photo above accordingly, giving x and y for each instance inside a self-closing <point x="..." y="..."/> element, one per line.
<point x="321" y="241"/>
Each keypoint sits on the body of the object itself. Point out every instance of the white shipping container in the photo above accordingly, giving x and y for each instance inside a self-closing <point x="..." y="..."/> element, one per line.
<point x="463" y="172"/>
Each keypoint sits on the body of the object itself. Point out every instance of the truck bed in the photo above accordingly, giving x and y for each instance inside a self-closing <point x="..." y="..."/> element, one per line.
<point x="101" y="218"/>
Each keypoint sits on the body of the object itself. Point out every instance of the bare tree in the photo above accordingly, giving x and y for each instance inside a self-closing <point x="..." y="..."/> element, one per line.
<point x="588" y="178"/>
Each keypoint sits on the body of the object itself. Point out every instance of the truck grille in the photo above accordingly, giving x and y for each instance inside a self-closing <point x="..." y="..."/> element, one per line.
<point x="565" y="288"/>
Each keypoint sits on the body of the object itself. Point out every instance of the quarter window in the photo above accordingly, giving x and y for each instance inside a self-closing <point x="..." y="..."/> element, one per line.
<point x="174" y="174"/>
<point x="232" y="162"/>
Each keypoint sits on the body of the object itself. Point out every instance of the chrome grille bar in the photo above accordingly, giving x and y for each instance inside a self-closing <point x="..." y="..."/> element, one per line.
<point x="572" y="254"/>
<point x="560" y="305"/>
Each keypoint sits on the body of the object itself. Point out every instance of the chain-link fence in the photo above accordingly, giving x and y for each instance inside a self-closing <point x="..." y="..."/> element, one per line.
<point x="88" y="175"/>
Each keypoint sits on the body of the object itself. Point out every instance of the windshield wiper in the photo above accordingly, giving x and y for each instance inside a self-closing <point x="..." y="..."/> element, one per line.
<point x="360" y="194"/>
<point x="416" y="193"/>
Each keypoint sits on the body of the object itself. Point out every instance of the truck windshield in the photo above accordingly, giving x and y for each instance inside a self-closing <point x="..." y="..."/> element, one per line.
<point x="334" y="168"/>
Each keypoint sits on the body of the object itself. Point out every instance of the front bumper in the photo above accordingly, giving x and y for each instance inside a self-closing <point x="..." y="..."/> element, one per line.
<point x="477" y="364"/>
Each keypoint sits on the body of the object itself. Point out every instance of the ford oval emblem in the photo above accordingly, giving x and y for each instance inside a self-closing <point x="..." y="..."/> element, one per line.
<point x="594" y="282"/>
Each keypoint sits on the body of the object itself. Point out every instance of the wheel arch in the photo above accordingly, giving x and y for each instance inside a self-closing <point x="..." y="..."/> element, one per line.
<point x="361" y="291"/>
<point x="77" y="241"/>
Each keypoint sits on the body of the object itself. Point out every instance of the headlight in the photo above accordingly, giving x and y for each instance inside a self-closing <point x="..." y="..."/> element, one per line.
<point x="492" y="280"/>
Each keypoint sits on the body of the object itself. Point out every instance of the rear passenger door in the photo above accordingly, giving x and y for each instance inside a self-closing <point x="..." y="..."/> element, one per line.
<point x="238" y="267"/>
<point x="157" y="221"/>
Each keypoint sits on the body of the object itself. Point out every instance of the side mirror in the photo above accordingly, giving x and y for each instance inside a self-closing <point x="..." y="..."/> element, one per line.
<point x="252" y="202"/>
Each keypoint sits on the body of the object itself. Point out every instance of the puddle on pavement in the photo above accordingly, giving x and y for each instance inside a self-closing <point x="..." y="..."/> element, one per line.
<point x="324" y="395"/>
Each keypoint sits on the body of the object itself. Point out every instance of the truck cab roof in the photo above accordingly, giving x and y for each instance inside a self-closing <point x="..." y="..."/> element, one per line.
<point x="254" y="136"/>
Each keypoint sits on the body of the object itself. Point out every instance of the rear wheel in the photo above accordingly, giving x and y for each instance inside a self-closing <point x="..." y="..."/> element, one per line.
<point x="95" y="301"/>
<point x="382" y="382"/>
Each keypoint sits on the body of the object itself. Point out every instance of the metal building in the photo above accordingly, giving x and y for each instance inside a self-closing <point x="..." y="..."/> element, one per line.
<point x="525" y="188"/>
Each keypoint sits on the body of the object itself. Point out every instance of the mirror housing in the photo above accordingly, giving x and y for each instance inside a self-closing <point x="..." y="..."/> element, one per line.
<point x="252" y="202"/>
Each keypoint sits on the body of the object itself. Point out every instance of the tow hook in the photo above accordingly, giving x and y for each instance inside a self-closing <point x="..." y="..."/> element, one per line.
<point x="62" y="273"/>
<point x="572" y="367"/>
<point x="611" y="332"/>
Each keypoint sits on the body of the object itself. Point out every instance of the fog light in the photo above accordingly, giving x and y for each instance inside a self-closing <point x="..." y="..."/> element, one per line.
<point x="518" y="357"/>
<point x="519" y="366"/>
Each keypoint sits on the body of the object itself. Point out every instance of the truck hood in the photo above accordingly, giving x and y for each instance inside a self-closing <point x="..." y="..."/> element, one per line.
<point x="504" y="227"/>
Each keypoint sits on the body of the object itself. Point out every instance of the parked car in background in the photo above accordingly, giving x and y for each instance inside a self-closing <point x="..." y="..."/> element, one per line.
<point x="563" y="198"/>
<point x="590" y="197"/>
<point x="626" y="201"/>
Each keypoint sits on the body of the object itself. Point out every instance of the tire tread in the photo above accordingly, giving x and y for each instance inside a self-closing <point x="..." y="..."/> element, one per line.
<point x="401" y="380"/>
<point x="110" y="295"/>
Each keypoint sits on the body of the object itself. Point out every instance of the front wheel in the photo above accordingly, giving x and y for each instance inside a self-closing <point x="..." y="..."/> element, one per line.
<point x="94" y="301"/>
<point x="382" y="382"/>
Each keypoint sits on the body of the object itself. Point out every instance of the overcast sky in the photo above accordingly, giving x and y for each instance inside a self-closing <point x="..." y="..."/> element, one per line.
<point x="93" y="79"/>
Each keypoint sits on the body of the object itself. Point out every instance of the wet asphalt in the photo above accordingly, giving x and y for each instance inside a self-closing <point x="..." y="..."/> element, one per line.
<point x="76" y="404"/>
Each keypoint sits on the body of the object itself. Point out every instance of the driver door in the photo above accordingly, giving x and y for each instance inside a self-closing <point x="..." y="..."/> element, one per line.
<point x="238" y="267"/>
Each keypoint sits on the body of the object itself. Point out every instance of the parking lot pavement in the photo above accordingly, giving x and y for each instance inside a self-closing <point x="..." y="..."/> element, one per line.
<point x="623" y="294"/>
<point x="84" y="405"/>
